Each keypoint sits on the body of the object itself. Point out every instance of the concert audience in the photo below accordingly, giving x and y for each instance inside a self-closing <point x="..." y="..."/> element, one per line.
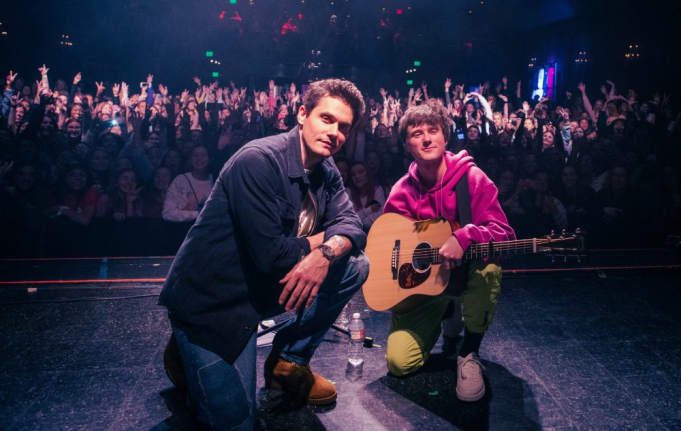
<point x="605" y="161"/>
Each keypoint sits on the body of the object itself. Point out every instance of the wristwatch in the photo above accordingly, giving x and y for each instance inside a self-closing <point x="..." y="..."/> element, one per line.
<point x="327" y="252"/>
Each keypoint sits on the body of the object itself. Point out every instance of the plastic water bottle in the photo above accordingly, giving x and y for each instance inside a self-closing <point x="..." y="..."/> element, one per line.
<point x="356" y="349"/>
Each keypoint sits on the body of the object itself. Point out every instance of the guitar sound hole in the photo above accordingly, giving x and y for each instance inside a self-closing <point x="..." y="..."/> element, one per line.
<point x="421" y="259"/>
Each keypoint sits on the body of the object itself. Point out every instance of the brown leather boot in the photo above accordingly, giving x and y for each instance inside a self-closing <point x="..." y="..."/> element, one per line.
<point x="298" y="380"/>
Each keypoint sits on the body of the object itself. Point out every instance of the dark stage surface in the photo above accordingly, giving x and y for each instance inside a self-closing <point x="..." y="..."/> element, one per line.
<point x="598" y="348"/>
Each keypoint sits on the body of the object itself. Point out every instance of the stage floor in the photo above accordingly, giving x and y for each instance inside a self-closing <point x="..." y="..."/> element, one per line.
<point x="598" y="349"/>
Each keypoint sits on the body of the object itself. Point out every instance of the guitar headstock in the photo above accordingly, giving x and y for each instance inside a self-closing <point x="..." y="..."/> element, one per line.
<point x="564" y="244"/>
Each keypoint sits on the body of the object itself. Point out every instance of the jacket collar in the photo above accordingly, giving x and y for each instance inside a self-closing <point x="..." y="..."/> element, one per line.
<point x="294" y="160"/>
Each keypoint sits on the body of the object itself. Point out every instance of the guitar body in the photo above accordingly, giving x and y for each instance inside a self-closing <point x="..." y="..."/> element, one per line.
<point x="402" y="273"/>
<point x="405" y="261"/>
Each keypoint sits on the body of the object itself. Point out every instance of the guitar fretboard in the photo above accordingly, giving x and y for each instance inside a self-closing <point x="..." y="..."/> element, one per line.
<point x="494" y="249"/>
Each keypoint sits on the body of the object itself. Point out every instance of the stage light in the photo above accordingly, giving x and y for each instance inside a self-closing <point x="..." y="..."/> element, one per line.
<point x="232" y="1"/>
<point x="399" y="11"/>
<point x="410" y="82"/>
<point x="216" y="74"/>
<point x="209" y="53"/>
<point x="417" y="63"/>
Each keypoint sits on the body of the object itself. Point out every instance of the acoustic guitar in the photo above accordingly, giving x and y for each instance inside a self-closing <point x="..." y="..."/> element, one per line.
<point x="405" y="260"/>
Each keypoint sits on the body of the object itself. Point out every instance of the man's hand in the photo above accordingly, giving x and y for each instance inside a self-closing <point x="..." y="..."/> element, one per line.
<point x="43" y="70"/>
<point x="448" y="83"/>
<point x="302" y="283"/>
<point x="77" y="78"/>
<point x="451" y="253"/>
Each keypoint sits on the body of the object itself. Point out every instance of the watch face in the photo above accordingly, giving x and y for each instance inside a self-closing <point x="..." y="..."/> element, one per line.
<point x="327" y="252"/>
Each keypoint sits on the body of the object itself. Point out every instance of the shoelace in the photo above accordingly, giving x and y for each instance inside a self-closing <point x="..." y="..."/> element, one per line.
<point x="471" y="369"/>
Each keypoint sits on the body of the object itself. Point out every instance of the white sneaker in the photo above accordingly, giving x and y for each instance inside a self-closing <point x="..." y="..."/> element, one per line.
<point x="469" y="383"/>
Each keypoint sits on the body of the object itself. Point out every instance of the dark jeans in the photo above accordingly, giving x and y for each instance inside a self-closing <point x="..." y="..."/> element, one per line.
<point x="223" y="393"/>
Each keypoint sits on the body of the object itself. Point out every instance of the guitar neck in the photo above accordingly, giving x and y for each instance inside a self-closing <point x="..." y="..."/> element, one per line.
<point x="499" y="249"/>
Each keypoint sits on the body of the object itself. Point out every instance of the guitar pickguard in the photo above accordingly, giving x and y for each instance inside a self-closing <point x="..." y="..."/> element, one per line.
<point x="410" y="278"/>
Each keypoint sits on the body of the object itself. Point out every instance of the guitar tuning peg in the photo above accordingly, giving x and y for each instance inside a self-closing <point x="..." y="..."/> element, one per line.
<point x="565" y="259"/>
<point x="553" y="259"/>
<point x="579" y="259"/>
<point x="563" y="232"/>
<point x="578" y="230"/>
<point x="553" y="232"/>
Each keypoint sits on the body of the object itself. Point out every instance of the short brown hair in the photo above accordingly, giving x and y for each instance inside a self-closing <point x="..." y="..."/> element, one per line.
<point x="432" y="113"/>
<point x="340" y="88"/>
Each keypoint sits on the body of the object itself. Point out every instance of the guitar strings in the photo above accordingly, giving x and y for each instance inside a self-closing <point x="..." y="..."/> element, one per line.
<point x="476" y="249"/>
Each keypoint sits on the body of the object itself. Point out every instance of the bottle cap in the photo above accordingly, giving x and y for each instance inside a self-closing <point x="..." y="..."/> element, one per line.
<point x="355" y="315"/>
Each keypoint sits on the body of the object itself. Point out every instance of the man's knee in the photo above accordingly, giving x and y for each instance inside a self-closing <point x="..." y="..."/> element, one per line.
<point x="403" y="354"/>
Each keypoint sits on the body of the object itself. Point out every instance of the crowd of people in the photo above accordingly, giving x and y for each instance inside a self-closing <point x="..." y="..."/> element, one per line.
<point x="76" y="166"/>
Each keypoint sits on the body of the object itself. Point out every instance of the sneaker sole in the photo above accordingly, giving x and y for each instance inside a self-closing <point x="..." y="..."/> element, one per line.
<point x="470" y="398"/>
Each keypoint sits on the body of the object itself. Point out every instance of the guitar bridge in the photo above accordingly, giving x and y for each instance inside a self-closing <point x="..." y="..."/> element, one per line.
<point x="395" y="260"/>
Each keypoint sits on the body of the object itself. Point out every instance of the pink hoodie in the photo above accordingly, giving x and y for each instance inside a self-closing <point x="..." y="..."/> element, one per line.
<point x="411" y="199"/>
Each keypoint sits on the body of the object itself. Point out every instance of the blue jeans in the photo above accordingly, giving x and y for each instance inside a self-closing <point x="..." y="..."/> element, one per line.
<point x="224" y="393"/>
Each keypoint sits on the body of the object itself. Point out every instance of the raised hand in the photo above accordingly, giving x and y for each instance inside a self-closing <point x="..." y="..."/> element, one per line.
<point x="526" y="106"/>
<point x="150" y="79"/>
<point x="43" y="70"/>
<point x="163" y="90"/>
<point x="448" y="83"/>
<point x="568" y="94"/>
<point x="581" y="87"/>
<point x="417" y="94"/>
<point x="424" y="85"/>
<point x="656" y="99"/>
<point x="504" y="98"/>
<point x="100" y="87"/>
<point x="197" y="81"/>
<point x="10" y="78"/>
<point x="77" y="78"/>
<point x="124" y="89"/>
<point x="604" y="90"/>
<point x="382" y="92"/>
<point x="225" y="138"/>
<point x="116" y="88"/>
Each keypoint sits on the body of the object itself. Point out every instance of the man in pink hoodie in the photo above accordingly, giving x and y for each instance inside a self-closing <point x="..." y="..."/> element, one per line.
<point x="429" y="191"/>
